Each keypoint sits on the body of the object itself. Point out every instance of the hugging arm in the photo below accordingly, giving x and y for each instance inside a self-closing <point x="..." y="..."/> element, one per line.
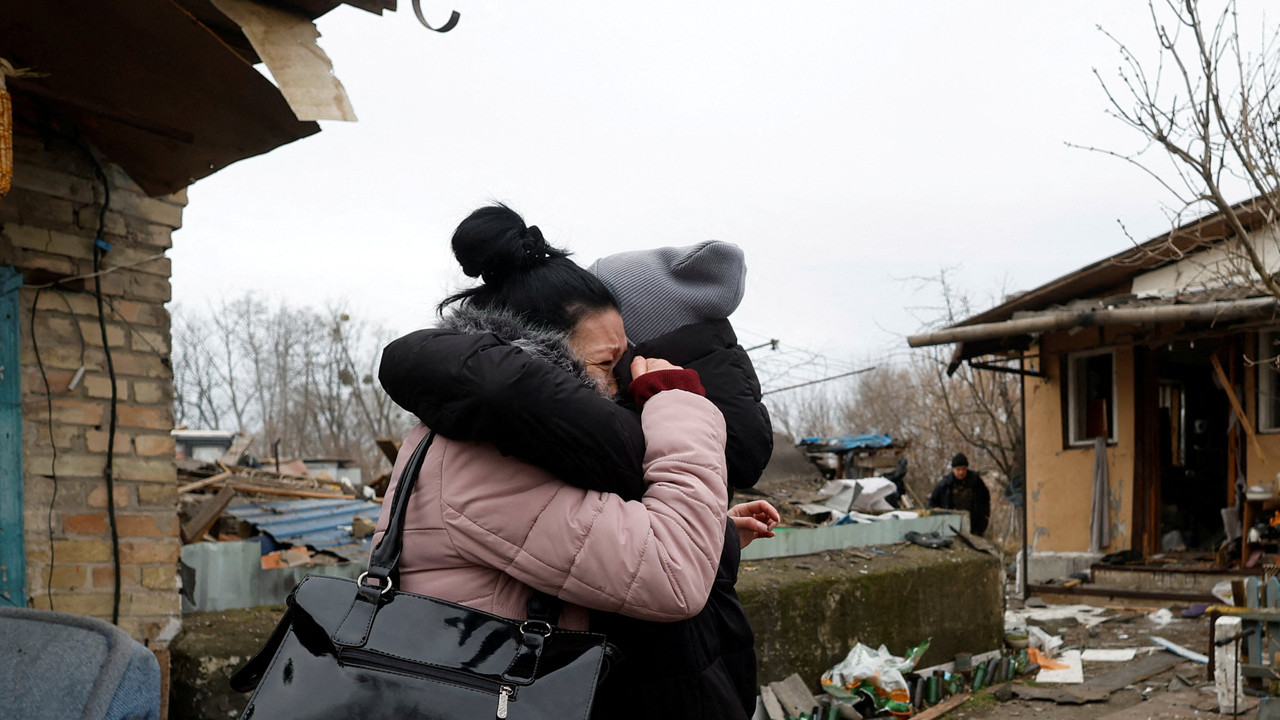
<point x="477" y="387"/>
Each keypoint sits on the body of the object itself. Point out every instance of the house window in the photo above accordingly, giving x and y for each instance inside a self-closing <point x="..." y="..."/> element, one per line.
<point x="1268" y="381"/>
<point x="1091" y="397"/>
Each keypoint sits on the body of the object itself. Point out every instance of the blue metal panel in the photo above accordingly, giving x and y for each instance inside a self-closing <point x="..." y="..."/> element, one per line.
<point x="13" y="562"/>
<point x="320" y="524"/>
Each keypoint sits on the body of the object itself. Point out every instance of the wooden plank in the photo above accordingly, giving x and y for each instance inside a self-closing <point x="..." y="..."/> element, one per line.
<point x="257" y="489"/>
<point x="13" y="554"/>
<point x="202" y="484"/>
<point x="390" y="448"/>
<point x="239" y="446"/>
<point x="1133" y="672"/>
<point x="1063" y="696"/>
<point x="943" y="707"/>
<point x="207" y="515"/>
<point x="1230" y="390"/>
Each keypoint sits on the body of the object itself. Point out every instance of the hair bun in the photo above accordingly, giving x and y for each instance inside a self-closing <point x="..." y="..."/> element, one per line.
<point x="493" y="243"/>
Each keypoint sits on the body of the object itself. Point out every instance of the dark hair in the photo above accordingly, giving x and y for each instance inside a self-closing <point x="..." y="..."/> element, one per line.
<point x="521" y="273"/>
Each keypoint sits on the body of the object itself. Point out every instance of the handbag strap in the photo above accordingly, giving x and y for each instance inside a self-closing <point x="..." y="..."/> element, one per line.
<point x="386" y="555"/>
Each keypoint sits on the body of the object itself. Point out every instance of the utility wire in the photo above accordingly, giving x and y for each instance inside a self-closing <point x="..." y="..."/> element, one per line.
<point x="821" y="380"/>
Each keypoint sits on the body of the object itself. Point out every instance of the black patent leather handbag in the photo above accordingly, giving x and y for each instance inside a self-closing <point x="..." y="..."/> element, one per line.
<point x="363" y="649"/>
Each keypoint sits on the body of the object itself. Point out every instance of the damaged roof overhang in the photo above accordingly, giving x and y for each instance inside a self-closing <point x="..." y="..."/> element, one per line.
<point x="165" y="89"/>
<point x="1055" y="306"/>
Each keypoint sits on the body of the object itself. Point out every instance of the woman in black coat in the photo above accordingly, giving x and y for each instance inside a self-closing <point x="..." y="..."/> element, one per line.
<point x="477" y="387"/>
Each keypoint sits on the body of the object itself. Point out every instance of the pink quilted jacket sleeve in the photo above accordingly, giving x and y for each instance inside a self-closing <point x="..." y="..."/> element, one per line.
<point x="654" y="559"/>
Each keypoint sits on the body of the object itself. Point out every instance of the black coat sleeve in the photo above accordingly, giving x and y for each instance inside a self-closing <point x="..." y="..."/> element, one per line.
<point x="478" y="387"/>
<point x="729" y="378"/>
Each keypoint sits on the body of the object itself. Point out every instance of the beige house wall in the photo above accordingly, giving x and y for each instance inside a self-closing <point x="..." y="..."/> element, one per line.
<point x="1060" y="478"/>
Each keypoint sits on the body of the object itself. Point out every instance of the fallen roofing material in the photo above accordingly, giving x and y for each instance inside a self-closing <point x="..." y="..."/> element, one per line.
<point x="319" y="524"/>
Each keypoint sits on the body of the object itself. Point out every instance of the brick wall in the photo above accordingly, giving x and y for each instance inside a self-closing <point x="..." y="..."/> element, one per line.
<point x="47" y="225"/>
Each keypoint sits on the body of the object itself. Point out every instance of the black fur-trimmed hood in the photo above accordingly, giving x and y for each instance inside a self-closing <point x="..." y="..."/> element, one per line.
<point x="551" y="346"/>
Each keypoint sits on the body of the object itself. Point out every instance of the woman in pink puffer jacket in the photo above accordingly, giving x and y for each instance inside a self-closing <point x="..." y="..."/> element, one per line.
<point x="484" y="529"/>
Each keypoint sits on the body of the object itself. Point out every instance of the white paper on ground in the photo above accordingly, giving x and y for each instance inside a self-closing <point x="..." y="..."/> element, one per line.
<point x="1072" y="675"/>
<point x="1108" y="655"/>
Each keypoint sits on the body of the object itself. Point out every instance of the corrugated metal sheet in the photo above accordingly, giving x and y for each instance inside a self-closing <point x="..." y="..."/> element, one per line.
<point x="320" y="524"/>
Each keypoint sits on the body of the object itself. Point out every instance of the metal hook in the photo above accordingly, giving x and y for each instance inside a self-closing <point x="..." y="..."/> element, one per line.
<point x="451" y="24"/>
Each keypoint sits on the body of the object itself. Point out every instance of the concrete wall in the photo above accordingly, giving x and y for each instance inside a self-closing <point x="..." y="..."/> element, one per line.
<point x="807" y="615"/>
<point x="1060" y="478"/>
<point x="807" y="612"/>
<point x="47" y="225"/>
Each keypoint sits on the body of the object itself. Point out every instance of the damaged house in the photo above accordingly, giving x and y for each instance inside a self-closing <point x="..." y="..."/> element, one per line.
<point x="1152" y="400"/>
<point x="123" y="105"/>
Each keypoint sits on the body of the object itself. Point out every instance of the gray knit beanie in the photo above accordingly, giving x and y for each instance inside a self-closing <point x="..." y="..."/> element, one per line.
<point x="667" y="288"/>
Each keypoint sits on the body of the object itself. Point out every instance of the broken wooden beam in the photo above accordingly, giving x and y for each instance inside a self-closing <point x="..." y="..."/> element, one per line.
<point x="207" y="515"/>
<point x="202" y="484"/>
<point x="943" y="707"/>
<point x="390" y="448"/>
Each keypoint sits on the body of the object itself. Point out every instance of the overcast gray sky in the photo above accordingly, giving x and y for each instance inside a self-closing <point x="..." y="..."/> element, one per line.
<point x="846" y="146"/>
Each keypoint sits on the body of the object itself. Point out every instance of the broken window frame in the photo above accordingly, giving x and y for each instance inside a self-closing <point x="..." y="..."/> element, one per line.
<point x="1077" y="430"/>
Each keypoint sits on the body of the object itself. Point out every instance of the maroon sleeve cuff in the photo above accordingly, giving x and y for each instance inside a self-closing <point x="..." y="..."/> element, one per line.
<point x="650" y="384"/>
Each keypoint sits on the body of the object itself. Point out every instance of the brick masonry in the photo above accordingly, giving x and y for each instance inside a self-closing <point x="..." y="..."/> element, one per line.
<point x="47" y="225"/>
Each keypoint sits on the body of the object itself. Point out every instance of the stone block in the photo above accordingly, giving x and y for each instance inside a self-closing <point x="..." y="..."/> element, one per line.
<point x="146" y="392"/>
<point x="150" y="341"/>
<point x="148" y="365"/>
<point x="58" y="266"/>
<point x="122" y="496"/>
<point x="96" y="442"/>
<point x="154" y="210"/>
<point x="140" y="314"/>
<point x="147" y="525"/>
<point x="75" y="412"/>
<point x="81" y="603"/>
<point x="33" y="383"/>
<point x="145" y="417"/>
<point x="53" y="183"/>
<point x="149" y="234"/>
<point x="159" y="577"/>
<point x="152" y="495"/>
<point x="87" y="218"/>
<point x="92" y="333"/>
<point x="85" y="524"/>
<point x="146" y="469"/>
<point x="54" y="300"/>
<point x="159" y="550"/>
<point x="144" y="603"/>
<point x="65" y="577"/>
<point x="68" y="465"/>
<point x="83" y="551"/>
<point x="105" y="577"/>
<point x="154" y="445"/>
<point x="36" y="209"/>
<point x="100" y="387"/>
<point x="806" y="619"/>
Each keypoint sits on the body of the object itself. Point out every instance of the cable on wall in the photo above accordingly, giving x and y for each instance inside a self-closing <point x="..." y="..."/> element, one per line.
<point x="100" y="248"/>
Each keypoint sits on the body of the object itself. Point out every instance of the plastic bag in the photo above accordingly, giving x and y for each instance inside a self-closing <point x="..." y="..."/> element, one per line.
<point x="876" y="674"/>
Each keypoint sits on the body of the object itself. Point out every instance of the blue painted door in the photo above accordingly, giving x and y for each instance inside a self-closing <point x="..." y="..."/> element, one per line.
<point x="13" y="557"/>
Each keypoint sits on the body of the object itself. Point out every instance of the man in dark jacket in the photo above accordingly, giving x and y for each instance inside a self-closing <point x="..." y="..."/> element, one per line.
<point x="963" y="489"/>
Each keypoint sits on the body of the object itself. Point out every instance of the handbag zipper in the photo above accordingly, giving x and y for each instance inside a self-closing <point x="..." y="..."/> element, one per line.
<point x="375" y="661"/>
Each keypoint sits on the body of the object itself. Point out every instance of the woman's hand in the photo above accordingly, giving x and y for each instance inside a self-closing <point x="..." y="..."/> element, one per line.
<point x="641" y="365"/>
<point x="755" y="519"/>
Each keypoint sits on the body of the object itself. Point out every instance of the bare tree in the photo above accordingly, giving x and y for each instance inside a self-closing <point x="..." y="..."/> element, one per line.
<point x="1209" y="105"/>
<point x="293" y="376"/>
